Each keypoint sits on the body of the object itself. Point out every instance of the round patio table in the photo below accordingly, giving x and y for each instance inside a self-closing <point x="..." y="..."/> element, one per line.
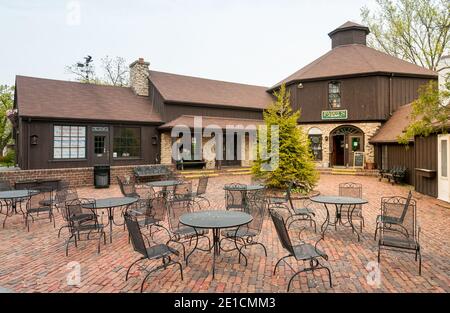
<point x="109" y="204"/>
<point x="244" y="189"/>
<point x="339" y="202"/>
<point x="215" y="220"/>
<point x="164" y="184"/>
<point x="10" y="198"/>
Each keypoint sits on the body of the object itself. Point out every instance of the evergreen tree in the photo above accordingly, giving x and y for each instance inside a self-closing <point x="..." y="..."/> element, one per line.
<point x="295" y="162"/>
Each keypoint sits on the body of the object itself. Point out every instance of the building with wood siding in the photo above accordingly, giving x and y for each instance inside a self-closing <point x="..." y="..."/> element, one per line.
<point x="345" y="96"/>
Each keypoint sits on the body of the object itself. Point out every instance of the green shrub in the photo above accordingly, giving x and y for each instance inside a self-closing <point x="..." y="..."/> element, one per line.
<point x="9" y="159"/>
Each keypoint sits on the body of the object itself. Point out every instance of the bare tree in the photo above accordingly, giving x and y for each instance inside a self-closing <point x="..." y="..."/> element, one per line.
<point x="415" y="30"/>
<point x="116" y="71"/>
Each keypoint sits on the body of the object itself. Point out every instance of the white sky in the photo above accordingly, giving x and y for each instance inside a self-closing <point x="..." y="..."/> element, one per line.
<point x="246" y="41"/>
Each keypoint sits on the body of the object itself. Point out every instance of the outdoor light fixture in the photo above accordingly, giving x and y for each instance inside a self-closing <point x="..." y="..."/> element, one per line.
<point x="34" y="140"/>
<point x="326" y="138"/>
<point x="300" y="86"/>
<point x="154" y="140"/>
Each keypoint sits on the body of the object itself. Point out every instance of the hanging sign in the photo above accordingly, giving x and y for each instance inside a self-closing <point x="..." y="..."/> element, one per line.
<point x="334" y="115"/>
<point x="100" y="129"/>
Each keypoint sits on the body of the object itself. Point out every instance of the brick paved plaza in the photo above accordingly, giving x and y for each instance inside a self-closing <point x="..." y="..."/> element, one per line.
<point x="35" y="261"/>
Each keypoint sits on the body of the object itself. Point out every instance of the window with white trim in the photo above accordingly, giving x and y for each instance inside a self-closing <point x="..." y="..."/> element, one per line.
<point x="69" y="142"/>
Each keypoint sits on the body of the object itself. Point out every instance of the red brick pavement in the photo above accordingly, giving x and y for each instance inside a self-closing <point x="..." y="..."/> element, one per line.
<point x="36" y="262"/>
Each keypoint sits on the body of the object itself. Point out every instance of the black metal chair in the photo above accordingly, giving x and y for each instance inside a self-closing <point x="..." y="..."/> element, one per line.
<point x="80" y="227"/>
<point x="235" y="197"/>
<point x="180" y="233"/>
<point x="304" y="251"/>
<point x="246" y="235"/>
<point x="38" y="204"/>
<point x="200" y="194"/>
<point x="149" y="252"/>
<point x="5" y="185"/>
<point x="398" y="227"/>
<point x="183" y="192"/>
<point x="353" y="190"/>
<point x="127" y="187"/>
<point x="153" y="216"/>
<point x="60" y="195"/>
<point x="280" y="201"/>
<point x="305" y="212"/>
<point x="69" y="196"/>
<point x="384" y="219"/>
<point x="146" y="194"/>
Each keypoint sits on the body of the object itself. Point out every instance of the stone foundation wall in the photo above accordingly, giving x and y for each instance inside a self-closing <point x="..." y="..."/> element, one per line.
<point x="77" y="177"/>
<point x="369" y="129"/>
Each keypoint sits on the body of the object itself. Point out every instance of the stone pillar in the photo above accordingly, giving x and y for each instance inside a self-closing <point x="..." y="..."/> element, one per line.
<point x="209" y="152"/>
<point x="166" y="148"/>
<point x="139" y="73"/>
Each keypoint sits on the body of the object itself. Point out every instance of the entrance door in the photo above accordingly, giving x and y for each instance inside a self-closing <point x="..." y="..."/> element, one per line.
<point x="100" y="141"/>
<point x="230" y="155"/>
<point x="339" y="150"/>
<point x="444" y="167"/>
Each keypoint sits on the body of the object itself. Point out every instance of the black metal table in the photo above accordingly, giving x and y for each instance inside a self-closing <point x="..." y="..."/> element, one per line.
<point x="109" y="204"/>
<point x="244" y="189"/>
<point x="339" y="202"/>
<point x="164" y="184"/>
<point x="10" y="198"/>
<point x="215" y="220"/>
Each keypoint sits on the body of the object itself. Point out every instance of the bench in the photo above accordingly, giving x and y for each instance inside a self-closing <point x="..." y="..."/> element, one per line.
<point x="53" y="184"/>
<point x="396" y="175"/>
<point x="190" y="164"/>
<point x="148" y="172"/>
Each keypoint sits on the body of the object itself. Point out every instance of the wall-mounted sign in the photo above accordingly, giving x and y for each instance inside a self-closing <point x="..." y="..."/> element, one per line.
<point x="334" y="115"/>
<point x="358" y="159"/>
<point x="100" y="129"/>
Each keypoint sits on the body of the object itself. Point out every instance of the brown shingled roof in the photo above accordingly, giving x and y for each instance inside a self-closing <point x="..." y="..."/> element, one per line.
<point x="48" y="98"/>
<point x="222" y="122"/>
<point x="350" y="25"/>
<point x="395" y="126"/>
<point x="355" y="59"/>
<point x="187" y="89"/>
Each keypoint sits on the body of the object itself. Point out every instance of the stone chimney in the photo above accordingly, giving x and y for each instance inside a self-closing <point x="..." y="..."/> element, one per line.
<point x="139" y="73"/>
<point x="349" y="33"/>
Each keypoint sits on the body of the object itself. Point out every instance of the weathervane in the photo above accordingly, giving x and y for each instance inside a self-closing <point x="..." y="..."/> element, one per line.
<point x="86" y="67"/>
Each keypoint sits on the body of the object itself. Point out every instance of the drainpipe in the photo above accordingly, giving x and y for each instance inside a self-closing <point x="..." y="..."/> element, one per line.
<point x="390" y="94"/>
<point x="28" y="143"/>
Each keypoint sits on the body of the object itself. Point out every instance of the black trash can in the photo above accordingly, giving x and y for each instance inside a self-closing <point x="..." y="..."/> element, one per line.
<point x="102" y="175"/>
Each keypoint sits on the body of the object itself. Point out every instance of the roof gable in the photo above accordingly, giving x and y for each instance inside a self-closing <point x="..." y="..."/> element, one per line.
<point x="48" y="98"/>
<point x="395" y="126"/>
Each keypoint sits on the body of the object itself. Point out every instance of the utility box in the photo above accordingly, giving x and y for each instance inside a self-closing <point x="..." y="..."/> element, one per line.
<point x="102" y="176"/>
